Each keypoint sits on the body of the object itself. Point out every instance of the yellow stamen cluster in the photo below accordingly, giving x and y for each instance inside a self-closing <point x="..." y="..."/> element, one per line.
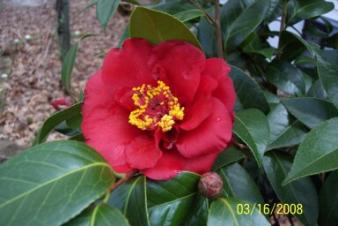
<point x="144" y="96"/>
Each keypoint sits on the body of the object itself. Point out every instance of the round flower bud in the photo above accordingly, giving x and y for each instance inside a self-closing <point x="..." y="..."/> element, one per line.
<point x="210" y="185"/>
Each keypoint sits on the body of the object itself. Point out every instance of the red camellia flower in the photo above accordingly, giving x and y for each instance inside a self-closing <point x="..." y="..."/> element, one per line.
<point x="159" y="109"/>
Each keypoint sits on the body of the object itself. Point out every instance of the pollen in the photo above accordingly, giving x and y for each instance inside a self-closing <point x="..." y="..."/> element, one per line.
<point x="156" y="107"/>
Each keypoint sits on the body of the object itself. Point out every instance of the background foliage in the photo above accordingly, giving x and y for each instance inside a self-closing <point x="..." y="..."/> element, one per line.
<point x="286" y="147"/>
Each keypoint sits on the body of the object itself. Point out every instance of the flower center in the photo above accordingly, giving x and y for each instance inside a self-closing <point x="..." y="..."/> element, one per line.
<point x="156" y="106"/>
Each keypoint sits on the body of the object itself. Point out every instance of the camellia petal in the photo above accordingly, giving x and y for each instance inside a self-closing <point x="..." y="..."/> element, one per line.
<point x="183" y="64"/>
<point x="211" y="136"/>
<point x="168" y="166"/>
<point x="142" y="153"/>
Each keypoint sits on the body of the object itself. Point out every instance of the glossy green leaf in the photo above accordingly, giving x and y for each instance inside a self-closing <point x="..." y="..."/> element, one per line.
<point x="292" y="135"/>
<point x="228" y="156"/>
<point x="318" y="152"/>
<point x="249" y="94"/>
<point x="105" y="9"/>
<point x="302" y="191"/>
<point x="67" y="67"/>
<point x="328" y="214"/>
<point x="206" y="36"/>
<point x="286" y="77"/>
<point x="135" y="206"/>
<point x="170" y="201"/>
<point x="290" y="46"/>
<point x="188" y="15"/>
<point x="198" y="212"/>
<point x="54" y="120"/>
<point x="223" y="212"/>
<point x="157" y="26"/>
<point x="278" y="120"/>
<point x="59" y="179"/>
<point x="119" y="196"/>
<point x="239" y="184"/>
<point x="328" y="74"/>
<point x="104" y="215"/>
<point x="252" y="127"/>
<point x="243" y="25"/>
<point x="305" y="9"/>
<point x="310" y="111"/>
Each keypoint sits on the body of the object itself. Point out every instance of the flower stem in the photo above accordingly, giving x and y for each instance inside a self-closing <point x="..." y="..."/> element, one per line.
<point x="122" y="181"/>
<point x="219" y="38"/>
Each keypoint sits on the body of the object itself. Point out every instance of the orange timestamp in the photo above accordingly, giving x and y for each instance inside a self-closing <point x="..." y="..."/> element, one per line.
<point x="269" y="209"/>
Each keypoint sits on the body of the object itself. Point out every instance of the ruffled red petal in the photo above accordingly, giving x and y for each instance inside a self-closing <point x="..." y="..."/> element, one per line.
<point x="127" y="67"/>
<point x="142" y="153"/>
<point x="225" y="92"/>
<point x="183" y="64"/>
<point x="168" y="166"/>
<point x="105" y="124"/>
<point x="201" y="164"/>
<point x="211" y="136"/>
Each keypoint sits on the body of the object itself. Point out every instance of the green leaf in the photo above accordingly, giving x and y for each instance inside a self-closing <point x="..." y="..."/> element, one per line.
<point x="310" y="111"/>
<point x="119" y="196"/>
<point x="206" y="35"/>
<point x="170" y="201"/>
<point x="198" y="213"/>
<point x="328" y="214"/>
<point x="328" y="75"/>
<point x="302" y="191"/>
<point x="304" y="9"/>
<point x="278" y="121"/>
<point x="286" y="77"/>
<point x="292" y="135"/>
<point x="239" y="184"/>
<point x="124" y="36"/>
<point x="104" y="215"/>
<point x="318" y="152"/>
<point x="67" y="67"/>
<point x="249" y="94"/>
<point x="54" y="120"/>
<point x="223" y="212"/>
<point x="157" y="26"/>
<point x="59" y="179"/>
<point x="187" y="15"/>
<point x="252" y="127"/>
<point x="105" y="9"/>
<point x="228" y="156"/>
<point x="240" y="27"/>
<point x="290" y="46"/>
<point x="135" y="206"/>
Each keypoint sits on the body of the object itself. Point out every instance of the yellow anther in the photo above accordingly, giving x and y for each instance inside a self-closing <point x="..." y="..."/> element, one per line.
<point x="143" y="96"/>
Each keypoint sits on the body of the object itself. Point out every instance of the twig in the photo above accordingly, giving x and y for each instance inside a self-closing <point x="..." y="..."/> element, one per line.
<point x="206" y="14"/>
<point x="283" y="22"/>
<point x="122" y="181"/>
<point x="219" y="38"/>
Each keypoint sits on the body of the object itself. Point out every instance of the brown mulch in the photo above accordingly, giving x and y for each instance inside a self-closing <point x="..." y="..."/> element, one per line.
<point x="34" y="79"/>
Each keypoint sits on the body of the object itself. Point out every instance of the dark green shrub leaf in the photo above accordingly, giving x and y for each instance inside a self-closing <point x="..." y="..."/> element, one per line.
<point x="59" y="179"/>
<point x="310" y="111"/>
<point x="292" y="135"/>
<point x="228" y="156"/>
<point x="198" y="213"/>
<point x="135" y="206"/>
<point x="70" y="113"/>
<point x="157" y="26"/>
<point x="302" y="191"/>
<point x="170" y="201"/>
<point x="278" y="121"/>
<point x="286" y="77"/>
<point x="105" y="9"/>
<point x="239" y="184"/>
<point x="328" y="74"/>
<point x="223" y="212"/>
<point x="206" y="35"/>
<point x="67" y="67"/>
<point x="318" y="152"/>
<point x="104" y="215"/>
<point x="252" y="127"/>
<point x="328" y="214"/>
<point x="304" y="9"/>
<point x="249" y="94"/>
<point x="187" y="15"/>
<point x="237" y="29"/>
